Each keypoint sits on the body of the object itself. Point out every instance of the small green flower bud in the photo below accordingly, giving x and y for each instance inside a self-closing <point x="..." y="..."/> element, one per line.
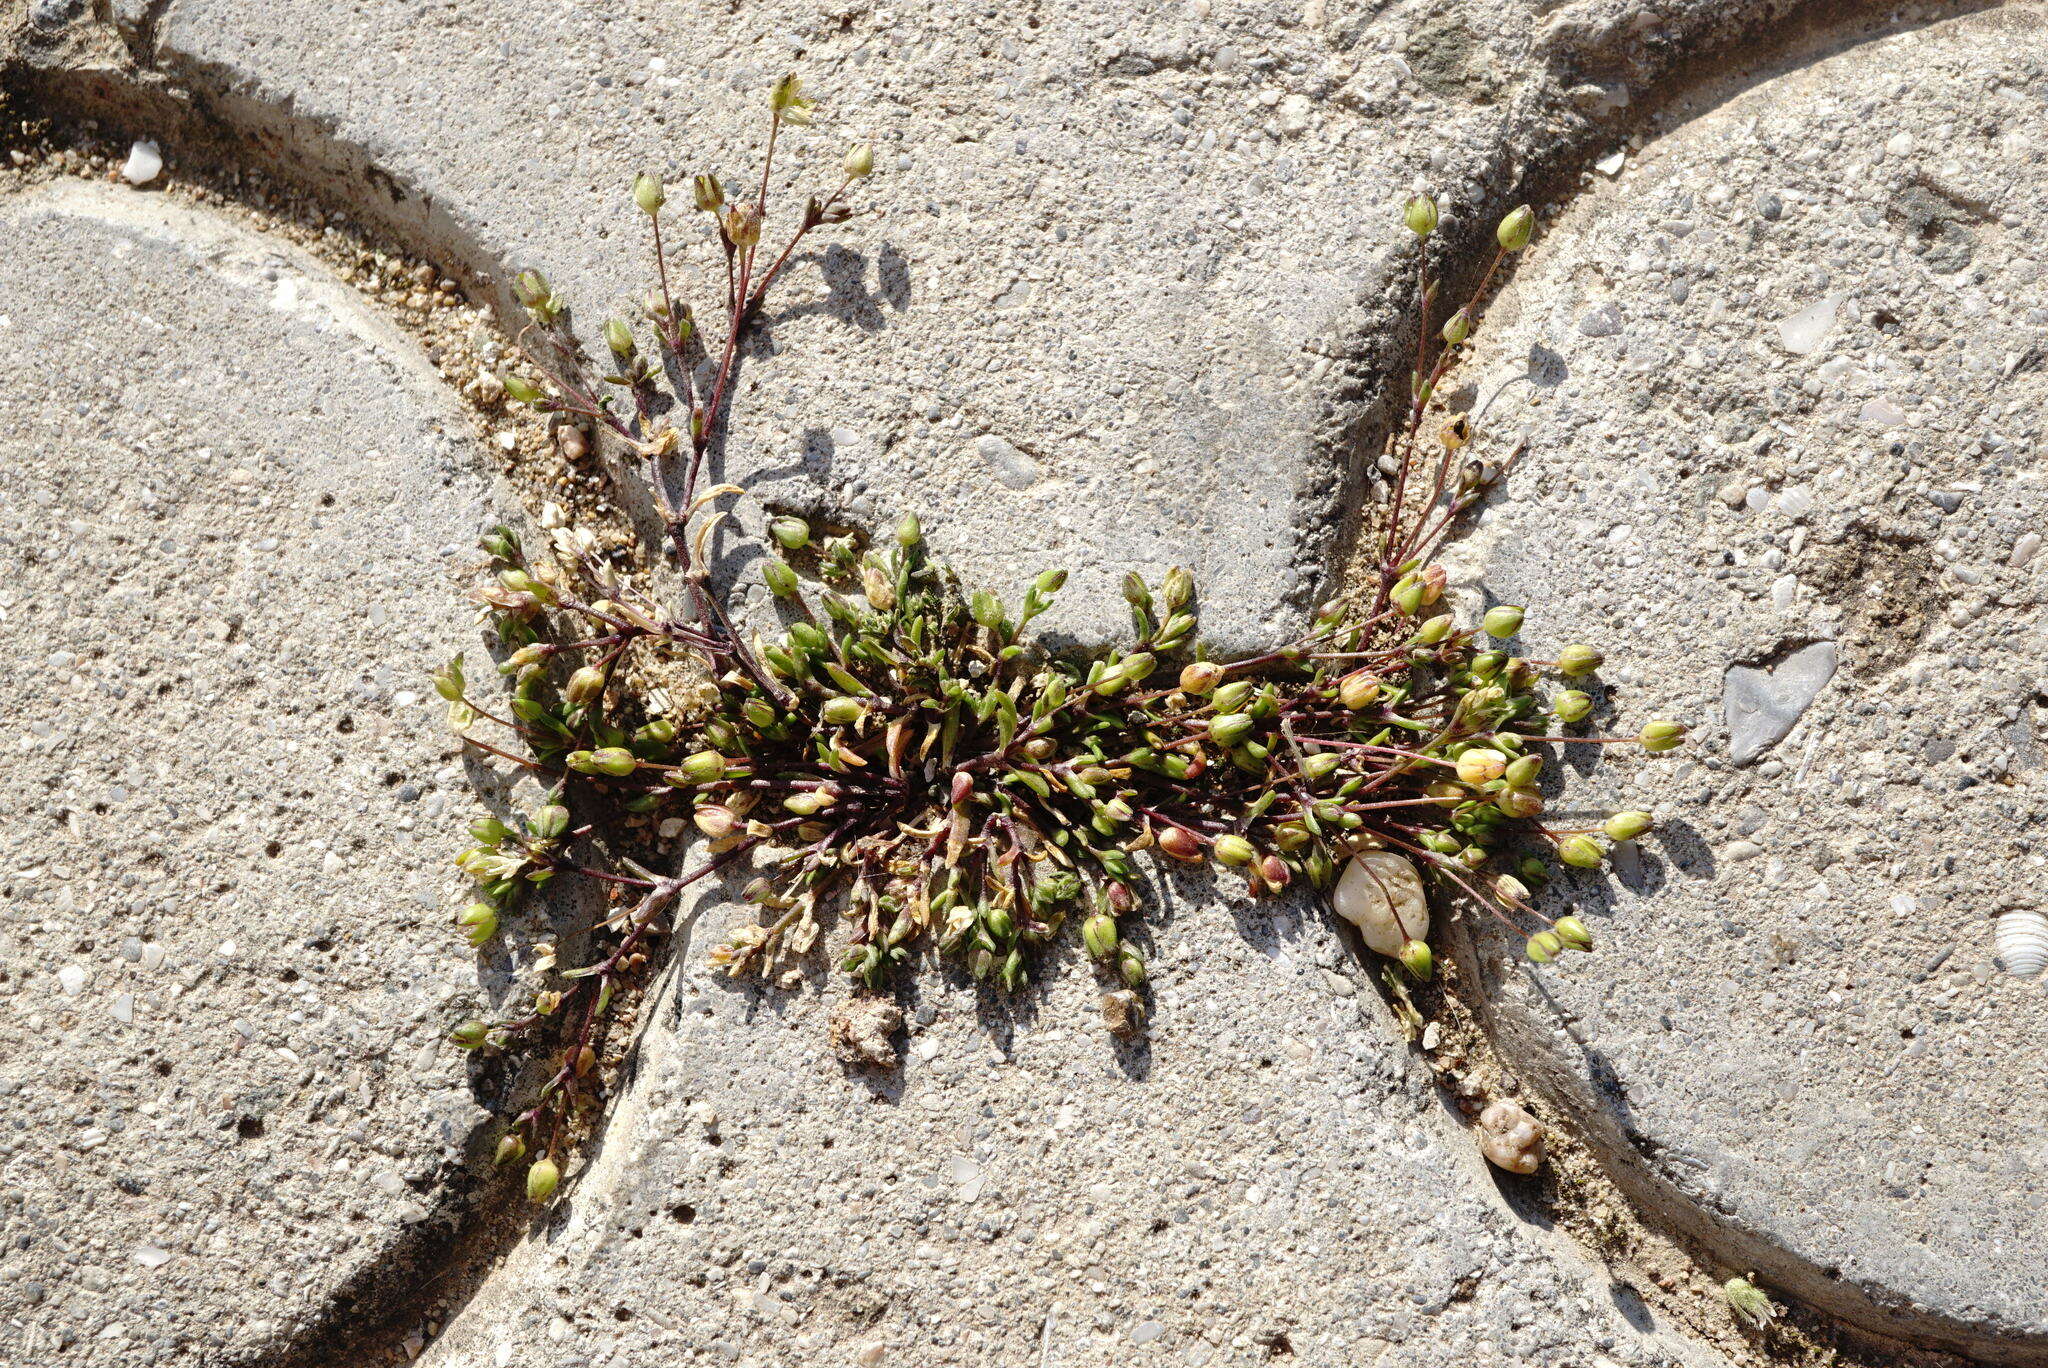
<point x="1516" y="229"/>
<point x="909" y="531"/>
<point x="1180" y="844"/>
<point x="471" y="1034"/>
<point x="791" y="534"/>
<point x="647" y="193"/>
<point x="1417" y="959"/>
<point x="1233" y="849"/>
<point x="550" y="821"/>
<point x="522" y="391"/>
<point x="1502" y="622"/>
<point x="809" y="803"/>
<point x="1573" y="932"/>
<point x="541" y="1180"/>
<point x="1420" y="215"/>
<point x="584" y="686"/>
<point x="616" y="761"/>
<point x="1358" y="690"/>
<point x="1519" y="802"/>
<point x="1522" y="772"/>
<point x="619" y="338"/>
<point x="986" y="609"/>
<point x="710" y="195"/>
<point x="1433" y="630"/>
<point x="511" y="1149"/>
<point x="1661" y="736"/>
<point x="1230" y="728"/>
<point x="781" y="580"/>
<point x="1098" y="934"/>
<point x="1571" y="705"/>
<point x="1481" y="765"/>
<point x="501" y="542"/>
<point x="1458" y="327"/>
<point x="1136" y="592"/>
<point x="1544" y="947"/>
<point x="1626" y="826"/>
<point x="1201" y="677"/>
<point x="1232" y="696"/>
<point x="1176" y="589"/>
<point x="843" y="711"/>
<point x="1407" y="596"/>
<point x="479" y="922"/>
<point x="1050" y="582"/>
<point x="860" y="161"/>
<point x="448" y="680"/>
<point x="1318" y="767"/>
<point x="531" y="287"/>
<point x="1581" y="852"/>
<point x="705" y="767"/>
<point x="1576" y="662"/>
<point x="998" y="922"/>
<point x="1130" y="965"/>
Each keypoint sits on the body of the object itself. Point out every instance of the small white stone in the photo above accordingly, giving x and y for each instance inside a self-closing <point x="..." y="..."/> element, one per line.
<point x="150" y="1256"/>
<point x="1611" y="164"/>
<point x="124" y="1008"/>
<point x="1901" y="145"/>
<point x="1381" y="894"/>
<point x="1801" y="333"/>
<point x="2023" y="550"/>
<point x="145" y="162"/>
<point x="71" y="978"/>
<point x="1881" y="413"/>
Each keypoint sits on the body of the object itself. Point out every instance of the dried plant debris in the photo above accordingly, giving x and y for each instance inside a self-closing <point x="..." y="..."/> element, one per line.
<point x="905" y="772"/>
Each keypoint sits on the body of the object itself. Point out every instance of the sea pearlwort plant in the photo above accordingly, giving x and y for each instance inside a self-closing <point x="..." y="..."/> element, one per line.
<point x="907" y="774"/>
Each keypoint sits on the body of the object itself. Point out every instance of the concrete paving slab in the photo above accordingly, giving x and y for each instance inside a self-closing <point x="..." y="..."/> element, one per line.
<point x="1269" y="1177"/>
<point x="234" y="505"/>
<point x="1793" y="1034"/>
<point x="1142" y="253"/>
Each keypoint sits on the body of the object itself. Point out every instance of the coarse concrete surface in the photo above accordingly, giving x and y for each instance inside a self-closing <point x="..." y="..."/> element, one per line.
<point x="1128" y="279"/>
<point x="1128" y="298"/>
<point x="1268" y="1176"/>
<point x="235" y="502"/>
<point x="1780" y="383"/>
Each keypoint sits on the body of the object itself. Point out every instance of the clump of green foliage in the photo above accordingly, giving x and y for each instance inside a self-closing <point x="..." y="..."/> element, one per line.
<point x="906" y="772"/>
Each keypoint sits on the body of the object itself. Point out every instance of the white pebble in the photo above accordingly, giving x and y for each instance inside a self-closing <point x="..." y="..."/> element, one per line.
<point x="145" y="162"/>
<point x="1801" y="333"/>
<point x="149" y="1256"/>
<point x="71" y="978"/>
<point x="2023" y="550"/>
<point x="124" y="1008"/>
<point x="1901" y="145"/>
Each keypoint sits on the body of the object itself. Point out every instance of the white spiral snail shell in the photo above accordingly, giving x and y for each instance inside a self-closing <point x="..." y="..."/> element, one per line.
<point x="1381" y="894"/>
<point x="2020" y="939"/>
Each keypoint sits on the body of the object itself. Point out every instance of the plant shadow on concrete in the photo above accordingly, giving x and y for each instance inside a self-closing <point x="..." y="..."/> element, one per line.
<point x="901" y="772"/>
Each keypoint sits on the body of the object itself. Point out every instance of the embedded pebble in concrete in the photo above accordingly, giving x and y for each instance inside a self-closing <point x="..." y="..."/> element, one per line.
<point x="234" y="508"/>
<point x="1761" y="704"/>
<point x="1793" y="1035"/>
